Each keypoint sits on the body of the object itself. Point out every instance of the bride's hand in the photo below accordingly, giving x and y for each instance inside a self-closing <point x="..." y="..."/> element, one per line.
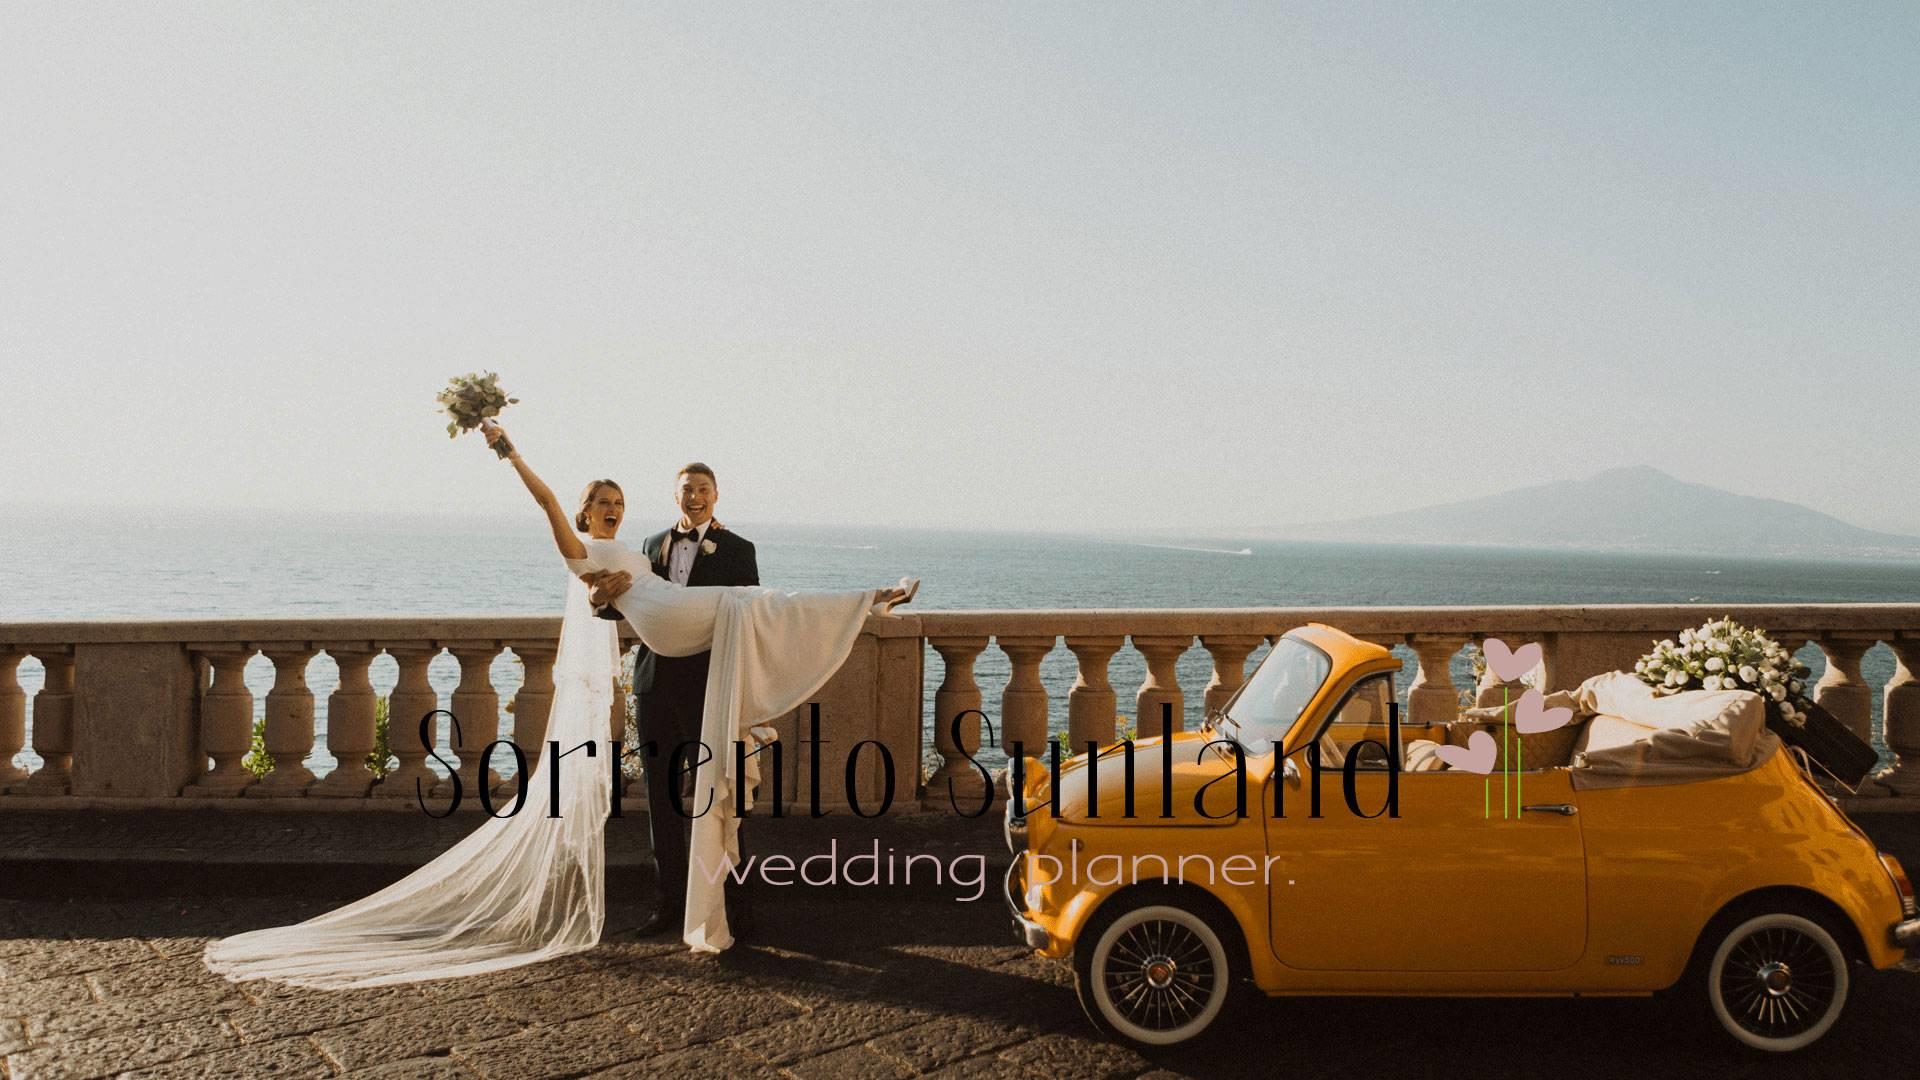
<point x="492" y="432"/>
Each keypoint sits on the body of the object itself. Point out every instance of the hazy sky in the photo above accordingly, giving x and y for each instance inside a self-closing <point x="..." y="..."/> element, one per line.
<point x="1029" y="266"/>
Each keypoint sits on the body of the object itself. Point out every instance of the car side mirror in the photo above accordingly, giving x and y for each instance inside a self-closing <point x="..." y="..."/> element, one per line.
<point x="1291" y="771"/>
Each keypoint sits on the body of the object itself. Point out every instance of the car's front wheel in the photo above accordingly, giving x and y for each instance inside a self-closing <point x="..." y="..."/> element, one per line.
<point x="1777" y="982"/>
<point x="1155" y="974"/>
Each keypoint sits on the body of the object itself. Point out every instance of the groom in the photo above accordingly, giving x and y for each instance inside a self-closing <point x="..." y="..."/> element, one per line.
<point x="673" y="689"/>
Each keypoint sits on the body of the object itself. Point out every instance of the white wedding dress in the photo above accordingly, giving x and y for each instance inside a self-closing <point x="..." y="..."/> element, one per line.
<point x="531" y="887"/>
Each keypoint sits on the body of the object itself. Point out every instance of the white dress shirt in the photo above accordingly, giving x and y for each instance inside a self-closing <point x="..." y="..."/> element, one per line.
<point x="680" y="559"/>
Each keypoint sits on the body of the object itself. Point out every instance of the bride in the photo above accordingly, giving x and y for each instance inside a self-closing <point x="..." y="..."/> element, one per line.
<point x="531" y="887"/>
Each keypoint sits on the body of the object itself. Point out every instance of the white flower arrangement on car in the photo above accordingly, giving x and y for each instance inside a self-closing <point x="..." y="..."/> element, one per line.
<point x="1725" y="655"/>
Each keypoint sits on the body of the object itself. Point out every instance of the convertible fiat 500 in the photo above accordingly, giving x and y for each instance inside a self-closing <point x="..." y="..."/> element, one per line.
<point x="1665" y="842"/>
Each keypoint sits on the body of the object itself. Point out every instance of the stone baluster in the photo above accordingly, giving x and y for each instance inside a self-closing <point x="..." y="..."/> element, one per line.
<point x="956" y="781"/>
<point x="413" y="697"/>
<point x="351" y="734"/>
<point x="1023" y="705"/>
<point x="1433" y="699"/>
<point x="226" y="724"/>
<point x="534" y="700"/>
<point x="1900" y="720"/>
<point x="13" y="718"/>
<point x="1091" y="703"/>
<point x="52" y="727"/>
<point x="1841" y="691"/>
<point x="289" y="737"/>
<point x="478" y="707"/>
<point x="1229" y="652"/>
<point x="1161" y="688"/>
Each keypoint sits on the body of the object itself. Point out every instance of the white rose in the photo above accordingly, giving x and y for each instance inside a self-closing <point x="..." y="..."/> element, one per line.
<point x="1715" y="664"/>
<point x="1711" y="682"/>
<point x="1778" y="693"/>
<point x="1748" y="674"/>
<point x="1795" y="685"/>
<point x="707" y="547"/>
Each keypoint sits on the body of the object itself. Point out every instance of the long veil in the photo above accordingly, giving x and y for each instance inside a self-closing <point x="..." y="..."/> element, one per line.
<point x="515" y="891"/>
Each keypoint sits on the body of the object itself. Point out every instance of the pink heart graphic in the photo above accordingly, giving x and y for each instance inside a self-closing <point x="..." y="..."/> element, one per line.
<point x="1531" y="719"/>
<point x="1510" y="664"/>
<point x="1475" y="757"/>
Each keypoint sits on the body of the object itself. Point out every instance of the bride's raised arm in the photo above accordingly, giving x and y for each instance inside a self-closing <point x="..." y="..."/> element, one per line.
<point x="570" y="545"/>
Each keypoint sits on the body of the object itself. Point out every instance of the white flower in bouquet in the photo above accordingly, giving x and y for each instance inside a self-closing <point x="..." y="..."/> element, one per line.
<point x="1724" y="655"/>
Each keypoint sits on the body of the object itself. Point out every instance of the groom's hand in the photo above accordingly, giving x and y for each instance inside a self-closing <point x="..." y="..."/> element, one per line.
<point x="607" y="585"/>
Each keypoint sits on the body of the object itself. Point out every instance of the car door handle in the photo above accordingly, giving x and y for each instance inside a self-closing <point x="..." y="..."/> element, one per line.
<point x="1561" y="808"/>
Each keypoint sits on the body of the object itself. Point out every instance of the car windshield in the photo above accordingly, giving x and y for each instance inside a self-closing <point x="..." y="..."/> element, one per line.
<point x="1279" y="689"/>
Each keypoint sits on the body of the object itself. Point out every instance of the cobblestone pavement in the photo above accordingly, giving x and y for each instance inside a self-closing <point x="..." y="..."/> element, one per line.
<point x="827" y="986"/>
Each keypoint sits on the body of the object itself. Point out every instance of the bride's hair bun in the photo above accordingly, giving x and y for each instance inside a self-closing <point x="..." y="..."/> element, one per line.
<point x="586" y="500"/>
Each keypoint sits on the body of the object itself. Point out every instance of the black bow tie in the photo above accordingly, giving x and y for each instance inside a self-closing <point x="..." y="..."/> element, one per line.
<point x="679" y="536"/>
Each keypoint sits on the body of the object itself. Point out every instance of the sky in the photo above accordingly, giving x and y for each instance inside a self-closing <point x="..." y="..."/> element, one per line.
<point x="1025" y="266"/>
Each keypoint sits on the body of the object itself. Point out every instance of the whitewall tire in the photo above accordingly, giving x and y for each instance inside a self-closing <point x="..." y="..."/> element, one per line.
<point x="1777" y="982"/>
<point x="1156" y="975"/>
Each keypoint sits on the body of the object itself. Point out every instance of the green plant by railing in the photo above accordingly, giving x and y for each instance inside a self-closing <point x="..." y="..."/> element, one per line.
<point x="258" y="761"/>
<point x="630" y="768"/>
<point x="379" y="762"/>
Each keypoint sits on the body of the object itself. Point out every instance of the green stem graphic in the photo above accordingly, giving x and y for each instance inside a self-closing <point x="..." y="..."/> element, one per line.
<point x="1506" y="722"/>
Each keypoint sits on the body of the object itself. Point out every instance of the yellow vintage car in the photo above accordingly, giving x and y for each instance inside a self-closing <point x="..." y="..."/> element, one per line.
<point x="1741" y="885"/>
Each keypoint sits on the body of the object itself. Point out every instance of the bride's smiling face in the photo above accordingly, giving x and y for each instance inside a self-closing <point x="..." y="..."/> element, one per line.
<point x="605" y="511"/>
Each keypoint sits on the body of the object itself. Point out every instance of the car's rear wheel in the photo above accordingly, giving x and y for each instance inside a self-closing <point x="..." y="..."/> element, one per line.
<point x="1156" y="974"/>
<point x="1777" y="982"/>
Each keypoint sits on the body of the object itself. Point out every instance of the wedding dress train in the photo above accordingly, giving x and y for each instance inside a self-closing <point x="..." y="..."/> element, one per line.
<point x="532" y="887"/>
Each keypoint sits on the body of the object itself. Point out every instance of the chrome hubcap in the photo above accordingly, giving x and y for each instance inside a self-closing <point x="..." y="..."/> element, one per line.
<point x="1159" y="972"/>
<point x="1776" y="978"/>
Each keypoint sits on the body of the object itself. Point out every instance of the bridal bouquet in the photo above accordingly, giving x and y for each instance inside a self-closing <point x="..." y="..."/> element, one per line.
<point x="1724" y="655"/>
<point x="470" y="399"/>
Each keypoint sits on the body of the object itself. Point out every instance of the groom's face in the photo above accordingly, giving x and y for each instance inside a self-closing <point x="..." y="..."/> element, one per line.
<point x="695" y="494"/>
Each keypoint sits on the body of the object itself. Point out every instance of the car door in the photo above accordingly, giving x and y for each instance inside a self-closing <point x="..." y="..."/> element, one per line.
<point x="1466" y="878"/>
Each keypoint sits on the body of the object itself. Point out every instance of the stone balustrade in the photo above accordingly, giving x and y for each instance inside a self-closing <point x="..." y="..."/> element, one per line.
<point x="162" y="711"/>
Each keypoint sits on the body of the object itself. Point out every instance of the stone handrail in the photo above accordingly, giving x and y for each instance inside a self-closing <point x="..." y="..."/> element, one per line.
<point x="158" y="710"/>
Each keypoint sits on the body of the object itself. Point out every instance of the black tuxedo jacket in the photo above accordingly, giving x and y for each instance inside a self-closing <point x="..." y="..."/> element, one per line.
<point x="732" y="563"/>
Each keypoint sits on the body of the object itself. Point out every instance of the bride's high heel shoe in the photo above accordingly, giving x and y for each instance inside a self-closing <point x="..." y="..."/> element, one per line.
<point x="908" y="585"/>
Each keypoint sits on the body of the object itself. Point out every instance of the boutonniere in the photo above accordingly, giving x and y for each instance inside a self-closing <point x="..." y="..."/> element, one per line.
<point x="706" y="547"/>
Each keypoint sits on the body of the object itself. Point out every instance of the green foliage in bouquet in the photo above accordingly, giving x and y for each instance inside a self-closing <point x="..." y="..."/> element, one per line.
<point x="471" y="398"/>
<point x="1724" y="655"/>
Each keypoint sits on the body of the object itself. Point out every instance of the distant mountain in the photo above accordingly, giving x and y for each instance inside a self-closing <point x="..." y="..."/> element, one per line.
<point x="1637" y="508"/>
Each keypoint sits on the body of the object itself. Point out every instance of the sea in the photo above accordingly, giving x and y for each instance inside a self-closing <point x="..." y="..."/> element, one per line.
<point x="164" y="564"/>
